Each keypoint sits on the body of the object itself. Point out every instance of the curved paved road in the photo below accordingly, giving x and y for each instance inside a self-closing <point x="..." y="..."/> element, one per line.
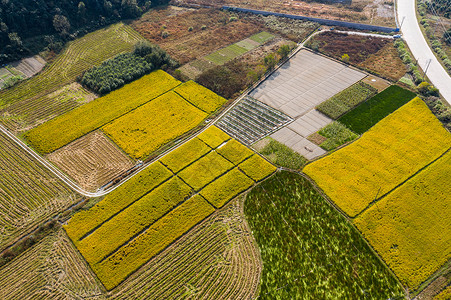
<point x="412" y="34"/>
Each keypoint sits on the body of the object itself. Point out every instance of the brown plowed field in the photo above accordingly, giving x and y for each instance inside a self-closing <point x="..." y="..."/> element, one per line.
<point x="185" y="45"/>
<point x="92" y="160"/>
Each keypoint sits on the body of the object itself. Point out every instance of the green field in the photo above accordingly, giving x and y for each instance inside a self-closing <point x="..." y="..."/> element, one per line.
<point x="79" y="56"/>
<point x="366" y="115"/>
<point x="309" y="250"/>
<point x="262" y="37"/>
<point x="337" y="134"/>
<point x="346" y="100"/>
<point x="281" y="155"/>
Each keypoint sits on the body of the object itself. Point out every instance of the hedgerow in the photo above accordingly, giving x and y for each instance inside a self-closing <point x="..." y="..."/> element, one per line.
<point x="220" y="191"/>
<point x="126" y="67"/>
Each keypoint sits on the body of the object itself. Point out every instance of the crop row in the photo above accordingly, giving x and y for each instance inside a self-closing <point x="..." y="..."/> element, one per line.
<point x="79" y="56"/>
<point x="99" y="112"/>
<point x="144" y="130"/>
<point x="385" y="156"/>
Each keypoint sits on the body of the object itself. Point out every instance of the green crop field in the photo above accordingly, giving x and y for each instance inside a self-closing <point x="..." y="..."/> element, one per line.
<point x="79" y="56"/>
<point x="346" y="100"/>
<point x="309" y="250"/>
<point x="337" y="134"/>
<point x="366" y="115"/>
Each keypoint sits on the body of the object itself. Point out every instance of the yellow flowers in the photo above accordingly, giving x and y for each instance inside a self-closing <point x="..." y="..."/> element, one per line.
<point x="234" y="151"/>
<point x="257" y="168"/>
<point x="408" y="227"/>
<point x="185" y="154"/>
<point x="154" y="124"/>
<point x="62" y="130"/>
<point x="200" y="96"/>
<point x="385" y="156"/>
<point x="213" y="136"/>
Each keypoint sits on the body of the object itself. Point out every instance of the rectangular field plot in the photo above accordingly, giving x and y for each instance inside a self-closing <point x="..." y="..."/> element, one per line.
<point x="155" y="207"/>
<point x="384" y="157"/>
<point x="62" y="130"/>
<point x="251" y="120"/>
<point x="408" y="227"/>
<point x="200" y="96"/>
<point x="305" y="81"/>
<point x="79" y="56"/>
<point x="92" y="160"/>
<point x="144" y="130"/>
<point x="29" y="192"/>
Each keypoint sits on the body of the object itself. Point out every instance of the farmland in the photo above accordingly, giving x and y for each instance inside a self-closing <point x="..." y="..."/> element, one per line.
<point x="156" y="206"/>
<point x="377" y="55"/>
<point x="93" y="115"/>
<point x="384" y="157"/>
<point x="407" y="226"/>
<point x="200" y="97"/>
<point x="346" y="100"/>
<point x="91" y="160"/>
<point x="29" y="192"/>
<point x="303" y="240"/>
<point x="336" y="134"/>
<point x="364" y="116"/>
<point x="102" y="44"/>
<point x="280" y="154"/>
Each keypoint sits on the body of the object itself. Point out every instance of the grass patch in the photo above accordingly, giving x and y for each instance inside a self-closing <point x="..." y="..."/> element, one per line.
<point x="282" y="155"/>
<point x="144" y="130"/>
<point x="346" y="100"/>
<point x="262" y="37"/>
<point x="407" y="226"/>
<point x="366" y="115"/>
<point x="384" y="157"/>
<point x="226" y="54"/>
<point x="60" y="131"/>
<point x="337" y="134"/>
<point x="226" y="187"/>
<point x="302" y="239"/>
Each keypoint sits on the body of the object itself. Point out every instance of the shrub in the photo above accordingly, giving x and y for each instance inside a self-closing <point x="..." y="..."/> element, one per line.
<point x="345" y="58"/>
<point x="190" y="28"/>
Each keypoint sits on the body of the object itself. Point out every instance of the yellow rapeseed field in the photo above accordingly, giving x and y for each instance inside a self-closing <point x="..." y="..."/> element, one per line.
<point x="200" y="96"/>
<point x="234" y="151"/>
<point x="257" y="168"/>
<point x="86" y="220"/>
<point x="410" y="227"/>
<point x="220" y="191"/>
<point x="130" y="257"/>
<point x="205" y="170"/>
<point x="385" y="156"/>
<point x="213" y="136"/>
<point x="62" y="130"/>
<point x="185" y="154"/>
<point x="144" y="130"/>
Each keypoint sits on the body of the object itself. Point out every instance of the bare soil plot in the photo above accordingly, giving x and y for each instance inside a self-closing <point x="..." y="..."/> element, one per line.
<point x="92" y="160"/>
<point x="305" y="81"/>
<point x="362" y="11"/>
<point x="377" y="55"/>
<point x="29" y="192"/>
<point x="29" y="66"/>
<point x="376" y="82"/>
<point x="211" y="30"/>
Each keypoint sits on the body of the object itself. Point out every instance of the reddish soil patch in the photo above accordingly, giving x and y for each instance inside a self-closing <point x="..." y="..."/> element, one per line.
<point x="386" y="63"/>
<point x="194" y="33"/>
<point x="316" y="138"/>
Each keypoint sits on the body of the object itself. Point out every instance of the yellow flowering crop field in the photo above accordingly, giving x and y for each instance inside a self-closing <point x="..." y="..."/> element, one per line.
<point x="200" y="96"/>
<point x="154" y="208"/>
<point x="147" y="128"/>
<point x="64" y="129"/>
<point x="408" y="227"/>
<point x="384" y="157"/>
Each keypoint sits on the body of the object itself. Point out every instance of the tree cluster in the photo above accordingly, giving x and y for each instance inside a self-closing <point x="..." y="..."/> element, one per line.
<point x="441" y="7"/>
<point x="27" y="25"/>
<point x="127" y="67"/>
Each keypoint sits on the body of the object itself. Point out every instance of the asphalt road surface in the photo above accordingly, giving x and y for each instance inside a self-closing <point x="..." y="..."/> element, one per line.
<point x="412" y="34"/>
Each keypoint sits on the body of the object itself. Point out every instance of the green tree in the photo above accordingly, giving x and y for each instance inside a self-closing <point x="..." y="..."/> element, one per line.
<point x="283" y="51"/>
<point x="447" y="36"/>
<point x="270" y="61"/>
<point x="15" y="40"/>
<point x="61" y="24"/>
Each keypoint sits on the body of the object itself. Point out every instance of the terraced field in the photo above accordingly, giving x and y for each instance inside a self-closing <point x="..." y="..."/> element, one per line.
<point x="152" y="210"/>
<point x="29" y="193"/>
<point x="384" y="157"/>
<point x="92" y="160"/>
<point x="79" y="56"/>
